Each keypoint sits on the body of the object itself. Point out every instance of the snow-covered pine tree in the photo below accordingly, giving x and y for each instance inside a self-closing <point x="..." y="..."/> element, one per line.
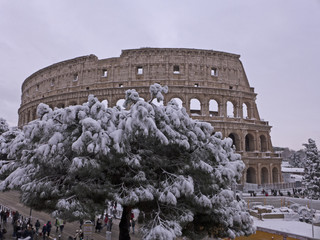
<point x="4" y="127"/>
<point x="7" y="136"/>
<point x="295" y="160"/>
<point x="154" y="158"/>
<point x="312" y="170"/>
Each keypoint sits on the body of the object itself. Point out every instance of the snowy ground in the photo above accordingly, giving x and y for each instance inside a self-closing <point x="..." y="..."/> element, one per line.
<point x="295" y="227"/>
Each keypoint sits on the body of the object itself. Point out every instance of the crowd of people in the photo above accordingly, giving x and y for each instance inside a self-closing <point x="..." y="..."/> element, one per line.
<point x="294" y="193"/>
<point x="23" y="227"/>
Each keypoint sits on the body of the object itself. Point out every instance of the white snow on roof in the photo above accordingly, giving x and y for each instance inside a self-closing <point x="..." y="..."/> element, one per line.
<point x="285" y="164"/>
<point x="292" y="170"/>
<point x="294" y="227"/>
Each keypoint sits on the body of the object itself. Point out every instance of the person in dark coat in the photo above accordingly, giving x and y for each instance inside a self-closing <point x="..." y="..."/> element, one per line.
<point x="49" y="226"/>
<point x="37" y="225"/>
<point x="44" y="231"/>
<point x="98" y="225"/>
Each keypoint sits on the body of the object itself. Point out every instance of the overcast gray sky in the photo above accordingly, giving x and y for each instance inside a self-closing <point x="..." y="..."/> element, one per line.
<point x="278" y="40"/>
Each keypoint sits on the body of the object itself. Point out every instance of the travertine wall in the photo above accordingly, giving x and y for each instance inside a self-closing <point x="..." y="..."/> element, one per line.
<point x="208" y="83"/>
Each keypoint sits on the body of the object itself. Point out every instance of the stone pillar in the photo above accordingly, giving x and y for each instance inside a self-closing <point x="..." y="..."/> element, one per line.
<point x="186" y="104"/>
<point x="204" y="107"/>
<point x="256" y="141"/>
<point x="241" y="110"/>
<point x="271" y="173"/>
<point x="250" y="111"/>
<point x="244" y="175"/>
<point x="223" y="111"/>
<point x="259" y="173"/>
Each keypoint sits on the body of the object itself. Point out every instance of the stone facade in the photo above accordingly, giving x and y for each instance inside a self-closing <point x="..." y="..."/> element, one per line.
<point x="211" y="85"/>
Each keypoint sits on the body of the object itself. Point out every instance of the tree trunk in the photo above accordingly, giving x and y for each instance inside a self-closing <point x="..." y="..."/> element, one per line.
<point x="124" y="224"/>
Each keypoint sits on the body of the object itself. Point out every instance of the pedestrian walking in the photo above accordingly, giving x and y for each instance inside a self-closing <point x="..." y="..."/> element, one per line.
<point x="62" y="225"/>
<point x="49" y="226"/>
<point x="37" y="225"/>
<point x="44" y="231"/>
<point x="98" y="225"/>
<point x="57" y="224"/>
<point x="106" y="219"/>
<point x="109" y="224"/>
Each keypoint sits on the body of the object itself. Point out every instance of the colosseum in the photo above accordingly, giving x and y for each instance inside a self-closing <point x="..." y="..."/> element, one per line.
<point x="211" y="85"/>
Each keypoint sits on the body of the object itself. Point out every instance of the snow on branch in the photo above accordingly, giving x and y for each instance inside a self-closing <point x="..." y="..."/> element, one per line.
<point x="156" y="91"/>
<point x="156" y="158"/>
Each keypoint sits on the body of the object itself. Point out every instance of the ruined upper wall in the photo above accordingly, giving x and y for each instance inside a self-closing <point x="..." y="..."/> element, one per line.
<point x="157" y="64"/>
<point x="189" y="73"/>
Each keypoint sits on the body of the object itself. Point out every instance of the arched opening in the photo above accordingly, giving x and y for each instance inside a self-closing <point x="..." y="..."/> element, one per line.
<point x="178" y="101"/>
<point x="235" y="140"/>
<point x="251" y="175"/>
<point x="73" y="103"/>
<point x="120" y="103"/>
<point x="195" y="107"/>
<point x="105" y="103"/>
<point x="245" y="110"/>
<point x="230" y="110"/>
<point x="263" y="143"/>
<point x="275" y="178"/>
<point x="249" y="142"/>
<point x="213" y="108"/>
<point x="264" y="175"/>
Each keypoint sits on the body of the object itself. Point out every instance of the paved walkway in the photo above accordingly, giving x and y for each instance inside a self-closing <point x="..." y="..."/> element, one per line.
<point x="11" y="200"/>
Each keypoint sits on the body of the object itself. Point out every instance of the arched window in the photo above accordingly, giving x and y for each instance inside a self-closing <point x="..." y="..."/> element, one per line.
<point x="263" y="143"/>
<point x="105" y="103"/>
<point x="264" y="175"/>
<point x="195" y="107"/>
<point x="275" y="178"/>
<point x="249" y="142"/>
<point x="120" y="103"/>
<point x="235" y="140"/>
<point x="213" y="108"/>
<point x="245" y="110"/>
<point x="230" y="109"/>
<point x="251" y="175"/>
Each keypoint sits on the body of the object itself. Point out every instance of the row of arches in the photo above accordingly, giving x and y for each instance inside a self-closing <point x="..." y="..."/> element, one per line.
<point x="227" y="108"/>
<point x="250" y="142"/>
<point x="215" y="109"/>
<point x="265" y="177"/>
<point x="212" y="108"/>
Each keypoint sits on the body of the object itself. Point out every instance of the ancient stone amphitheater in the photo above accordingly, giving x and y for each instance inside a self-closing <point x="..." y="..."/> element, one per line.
<point x="211" y="85"/>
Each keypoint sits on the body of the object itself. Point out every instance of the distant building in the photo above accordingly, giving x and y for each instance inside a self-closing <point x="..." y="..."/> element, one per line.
<point x="211" y="85"/>
<point x="291" y="174"/>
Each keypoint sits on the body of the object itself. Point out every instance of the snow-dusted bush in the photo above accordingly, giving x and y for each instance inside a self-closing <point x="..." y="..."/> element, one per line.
<point x="155" y="158"/>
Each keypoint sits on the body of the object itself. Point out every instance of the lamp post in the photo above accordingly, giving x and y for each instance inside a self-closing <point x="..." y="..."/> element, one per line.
<point x="312" y="218"/>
